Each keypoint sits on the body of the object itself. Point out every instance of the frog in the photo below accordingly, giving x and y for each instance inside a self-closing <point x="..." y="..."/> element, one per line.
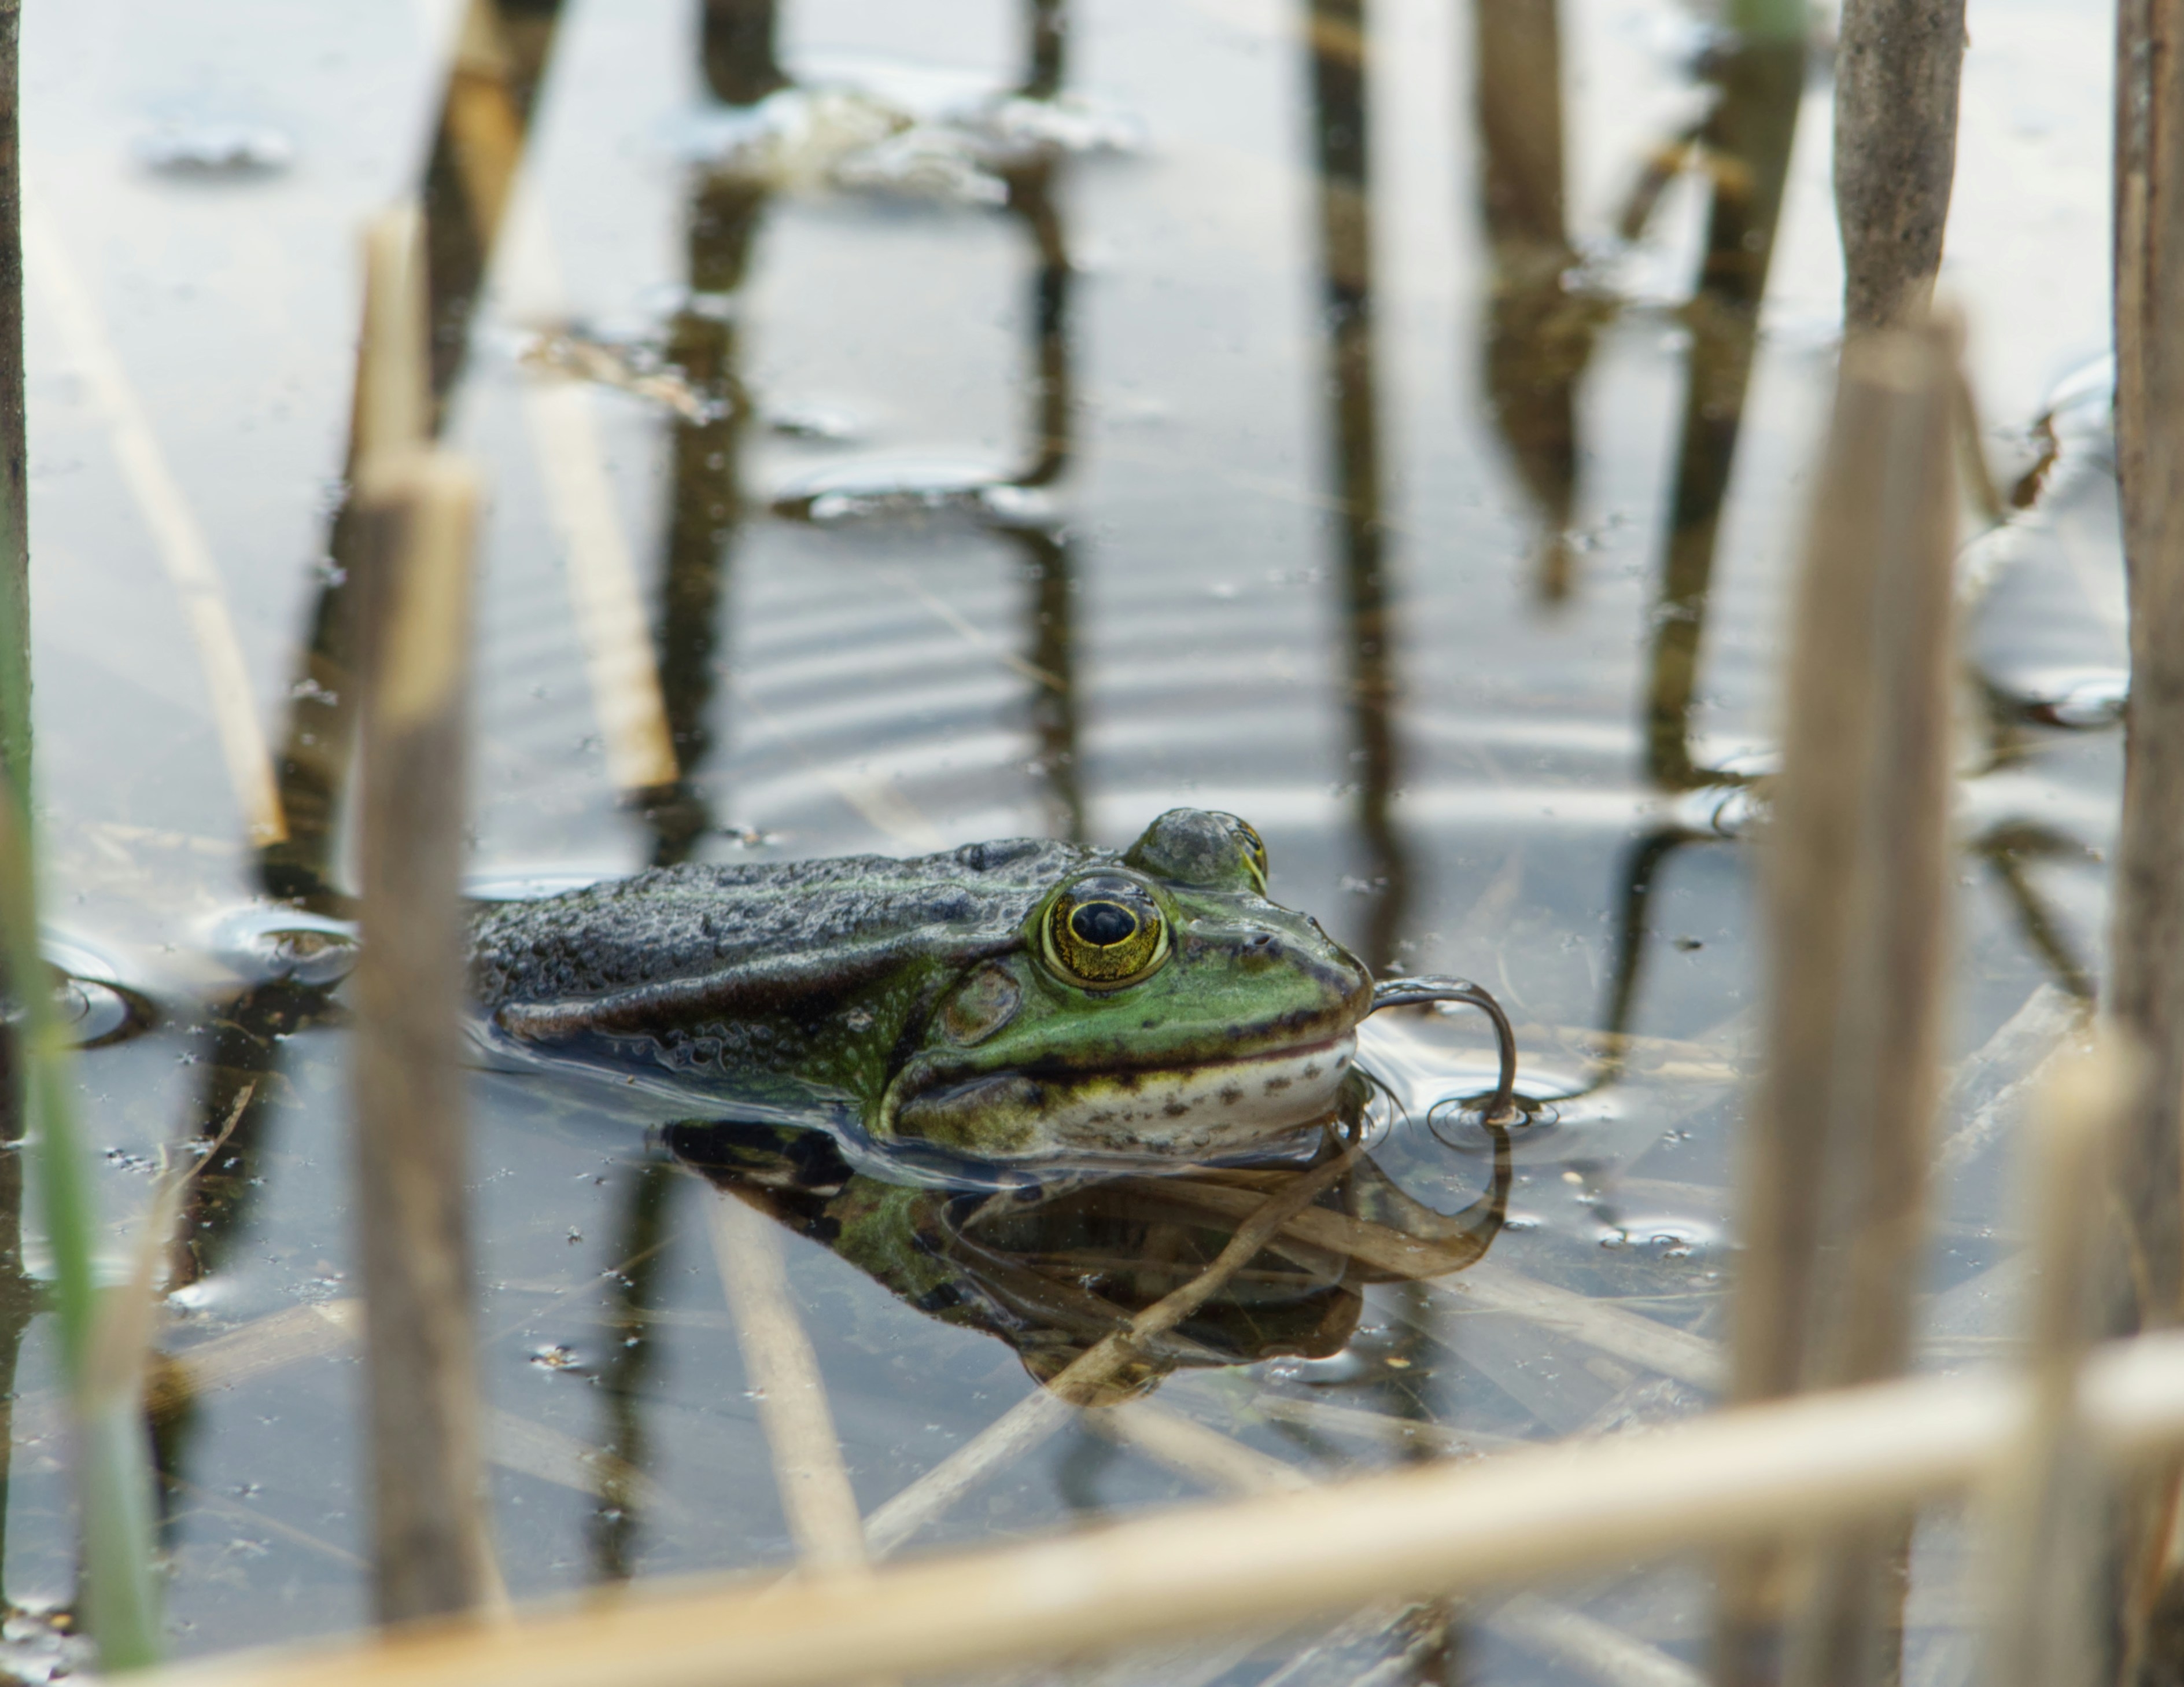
<point x="1026" y="1000"/>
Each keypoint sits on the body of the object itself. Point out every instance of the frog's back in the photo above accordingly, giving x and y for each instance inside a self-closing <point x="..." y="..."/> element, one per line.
<point x="770" y="920"/>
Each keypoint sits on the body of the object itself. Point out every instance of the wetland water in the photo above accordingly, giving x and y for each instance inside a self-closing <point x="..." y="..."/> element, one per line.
<point x="1016" y="418"/>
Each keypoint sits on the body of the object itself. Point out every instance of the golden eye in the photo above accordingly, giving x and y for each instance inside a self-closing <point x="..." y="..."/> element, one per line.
<point x="1255" y="852"/>
<point x="1105" y="931"/>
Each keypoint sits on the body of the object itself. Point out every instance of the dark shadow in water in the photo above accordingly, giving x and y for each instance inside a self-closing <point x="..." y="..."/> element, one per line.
<point x="1341" y="116"/>
<point x="1051" y="1268"/>
<point x="708" y="505"/>
<point x="483" y="123"/>
<point x="736" y="50"/>
<point x="1744" y="145"/>
<point x="1538" y="333"/>
<point x="239" y="1049"/>
<point x="629" y="1360"/>
<point x="1032" y="174"/>
<point x="1049" y="564"/>
<point x="2008" y="849"/>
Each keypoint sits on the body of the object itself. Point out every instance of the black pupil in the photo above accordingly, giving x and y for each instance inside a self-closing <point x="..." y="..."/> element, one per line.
<point x="1104" y="924"/>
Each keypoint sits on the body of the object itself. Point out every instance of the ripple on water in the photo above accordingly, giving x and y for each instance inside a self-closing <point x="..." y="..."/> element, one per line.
<point x="1443" y="1088"/>
<point x="96" y="1009"/>
<point x="264" y="944"/>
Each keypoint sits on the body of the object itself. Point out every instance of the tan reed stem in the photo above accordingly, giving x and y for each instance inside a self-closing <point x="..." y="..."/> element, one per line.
<point x="2044" y="1512"/>
<point x="1838" y="1151"/>
<point x="1898" y="66"/>
<point x="2146" y="945"/>
<point x="431" y="1550"/>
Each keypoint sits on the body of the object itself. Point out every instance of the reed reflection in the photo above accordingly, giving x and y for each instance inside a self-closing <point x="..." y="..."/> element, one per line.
<point x="501" y="57"/>
<point x="707" y="502"/>
<point x="1341" y="118"/>
<point x="1053" y="1268"/>
<point x="1538" y="331"/>
<point x="1031" y="170"/>
<point x="1048" y="554"/>
<point x="632" y="1355"/>
<point x="1743" y="145"/>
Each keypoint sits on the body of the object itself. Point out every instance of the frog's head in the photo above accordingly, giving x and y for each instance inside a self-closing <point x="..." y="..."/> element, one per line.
<point x="1157" y="1004"/>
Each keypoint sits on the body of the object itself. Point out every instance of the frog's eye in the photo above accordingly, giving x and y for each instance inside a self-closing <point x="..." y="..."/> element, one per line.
<point x="1104" y="931"/>
<point x="1255" y="852"/>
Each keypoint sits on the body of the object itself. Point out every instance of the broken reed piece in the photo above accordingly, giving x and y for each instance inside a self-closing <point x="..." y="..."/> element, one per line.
<point x="1898" y="65"/>
<point x="430" y="1551"/>
<point x="2043" y="1514"/>
<point x="1833" y="1208"/>
<point x="2147" y="941"/>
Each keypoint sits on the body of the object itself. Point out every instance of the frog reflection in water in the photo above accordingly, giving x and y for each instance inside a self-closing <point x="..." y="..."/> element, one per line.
<point x="1051" y="1267"/>
<point x="1019" y="1001"/>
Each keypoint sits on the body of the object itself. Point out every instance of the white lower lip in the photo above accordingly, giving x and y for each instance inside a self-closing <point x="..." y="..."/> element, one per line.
<point x="1207" y="1109"/>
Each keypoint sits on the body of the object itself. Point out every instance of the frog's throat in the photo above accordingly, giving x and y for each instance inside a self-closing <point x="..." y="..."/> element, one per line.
<point x="1209" y="1107"/>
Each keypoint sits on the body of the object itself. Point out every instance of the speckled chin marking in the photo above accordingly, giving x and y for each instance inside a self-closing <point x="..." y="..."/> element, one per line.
<point x="1214" y="1107"/>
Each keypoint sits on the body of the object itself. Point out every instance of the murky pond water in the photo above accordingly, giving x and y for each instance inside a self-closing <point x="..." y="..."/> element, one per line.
<point x="1011" y="419"/>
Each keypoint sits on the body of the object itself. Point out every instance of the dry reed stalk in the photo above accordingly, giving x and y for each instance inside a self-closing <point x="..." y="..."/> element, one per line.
<point x="1008" y="1438"/>
<point x="2044" y="1512"/>
<point x="1990" y="1086"/>
<point x="778" y="1363"/>
<point x="1838" y="1152"/>
<point x="1205" y="1456"/>
<point x="431" y="1550"/>
<point x="1898" y="66"/>
<point x="1808" y="1464"/>
<point x="177" y="538"/>
<point x="2147" y="970"/>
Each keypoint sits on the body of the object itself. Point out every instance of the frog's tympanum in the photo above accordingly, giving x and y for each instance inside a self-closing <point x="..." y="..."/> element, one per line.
<point x="1050" y="1267"/>
<point x="1006" y="1000"/>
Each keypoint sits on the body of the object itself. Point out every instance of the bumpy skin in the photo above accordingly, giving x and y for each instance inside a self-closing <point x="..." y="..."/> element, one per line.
<point x="915" y="1000"/>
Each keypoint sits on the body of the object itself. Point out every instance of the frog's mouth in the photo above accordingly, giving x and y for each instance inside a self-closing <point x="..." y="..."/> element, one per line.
<point x="1207" y="1107"/>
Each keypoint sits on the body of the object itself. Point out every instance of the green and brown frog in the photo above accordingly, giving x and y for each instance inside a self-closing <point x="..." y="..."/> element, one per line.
<point x="1017" y="1000"/>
